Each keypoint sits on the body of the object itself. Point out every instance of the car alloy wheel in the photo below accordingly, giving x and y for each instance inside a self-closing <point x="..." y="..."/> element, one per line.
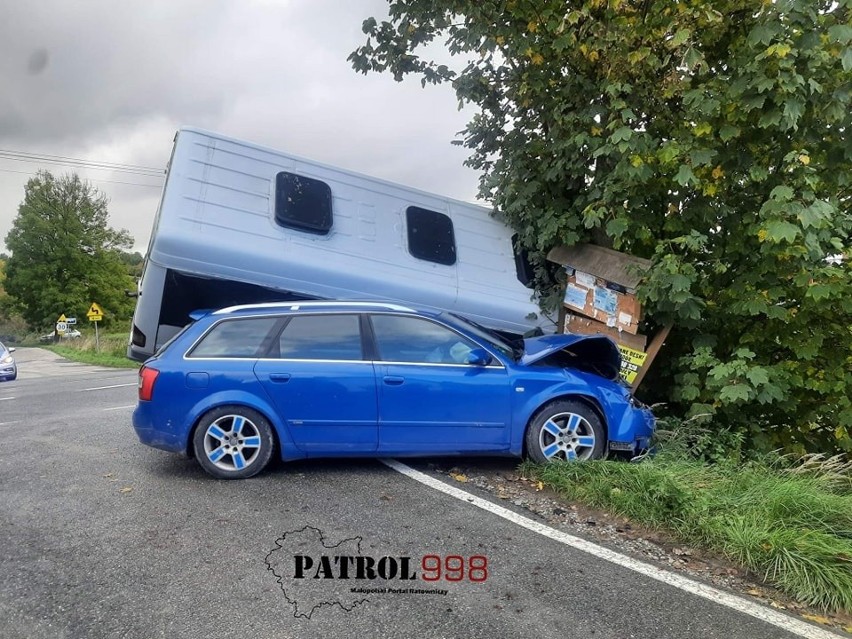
<point x="566" y="431"/>
<point x="233" y="442"/>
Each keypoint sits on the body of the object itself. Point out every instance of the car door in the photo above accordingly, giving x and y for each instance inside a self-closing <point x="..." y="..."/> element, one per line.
<point x="323" y="387"/>
<point x="430" y="399"/>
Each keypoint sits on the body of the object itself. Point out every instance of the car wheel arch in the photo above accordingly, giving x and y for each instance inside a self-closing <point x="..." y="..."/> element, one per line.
<point x="589" y="401"/>
<point x="264" y="412"/>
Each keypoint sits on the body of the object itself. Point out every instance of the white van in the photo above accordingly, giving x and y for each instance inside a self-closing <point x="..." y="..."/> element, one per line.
<point x="239" y="223"/>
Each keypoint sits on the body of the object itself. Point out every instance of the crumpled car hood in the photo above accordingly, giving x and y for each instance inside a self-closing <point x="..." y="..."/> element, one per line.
<point x="598" y="351"/>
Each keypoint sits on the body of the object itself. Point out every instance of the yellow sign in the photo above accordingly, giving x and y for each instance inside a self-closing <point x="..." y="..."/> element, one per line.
<point x="631" y="362"/>
<point x="95" y="313"/>
<point x="62" y="318"/>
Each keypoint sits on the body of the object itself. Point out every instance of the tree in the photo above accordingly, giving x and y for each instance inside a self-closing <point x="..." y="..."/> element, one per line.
<point x="64" y="254"/>
<point x="708" y="135"/>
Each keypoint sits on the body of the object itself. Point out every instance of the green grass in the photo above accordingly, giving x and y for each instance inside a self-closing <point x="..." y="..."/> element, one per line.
<point x="111" y="352"/>
<point x="789" y="522"/>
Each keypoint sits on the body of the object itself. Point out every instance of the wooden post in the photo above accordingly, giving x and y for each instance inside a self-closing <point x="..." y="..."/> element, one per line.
<point x="653" y="349"/>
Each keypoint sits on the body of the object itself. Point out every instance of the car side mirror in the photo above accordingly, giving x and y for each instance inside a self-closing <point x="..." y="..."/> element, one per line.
<point x="12" y="349"/>
<point x="478" y="357"/>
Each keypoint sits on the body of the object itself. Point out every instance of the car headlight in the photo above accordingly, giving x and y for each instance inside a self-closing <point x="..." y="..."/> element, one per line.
<point x="8" y="359"/>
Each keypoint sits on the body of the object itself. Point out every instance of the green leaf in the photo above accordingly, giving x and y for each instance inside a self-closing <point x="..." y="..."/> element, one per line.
<point x="840" y="33"/>
<point x="769" y="119"/>
<point x="846" y="58"/>
<point x="781" y="193"/>
<point x="693" y="58"/>
<point x="700" y="157"/>
<point x="728" y="132"/>
<point x="616" y="227"/>
<point x="757" y="376"/>
<point x="735" y="393"/>
<point x="685" y="175"/>
<point x="793" y="110"/>
<point x="679" y="38"/>
<point x="819" y="292"/>
<point x="778" y="230"/>
<point x="761" y="34"/>
<point x="815" y="214"/>
<point x="621" y="134"/>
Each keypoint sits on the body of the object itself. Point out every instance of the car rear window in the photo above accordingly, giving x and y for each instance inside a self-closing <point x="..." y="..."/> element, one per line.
<point x="235" y="338"/>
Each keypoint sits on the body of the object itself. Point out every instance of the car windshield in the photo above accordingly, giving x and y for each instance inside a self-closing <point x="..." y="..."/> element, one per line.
<point x="488" y="336"/>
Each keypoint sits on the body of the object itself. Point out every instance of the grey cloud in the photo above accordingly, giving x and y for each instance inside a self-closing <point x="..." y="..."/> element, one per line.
<point x="112" y="81"/>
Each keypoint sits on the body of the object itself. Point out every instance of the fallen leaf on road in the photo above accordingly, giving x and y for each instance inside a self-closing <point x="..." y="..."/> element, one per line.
<point x="539" y="485"/>
<point x="754" y="592"/>
<point x="459" y="477"/>
<point x="818" y="619"/>
<point x="107" y="476"/>
<point x="126" y="489"/>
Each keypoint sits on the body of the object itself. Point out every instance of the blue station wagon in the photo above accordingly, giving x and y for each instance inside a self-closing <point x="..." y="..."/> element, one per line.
<point x="337" y="379"/>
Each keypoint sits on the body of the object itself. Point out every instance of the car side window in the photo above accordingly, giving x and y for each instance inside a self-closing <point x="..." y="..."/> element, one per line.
<point x="235" y="338"/>
<point x="335" y="337"/>
<point x="410" y="339"/>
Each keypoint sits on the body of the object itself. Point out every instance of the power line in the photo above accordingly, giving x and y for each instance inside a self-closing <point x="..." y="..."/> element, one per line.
<point x="96" y="165"/>
<point x="154" y="186"/>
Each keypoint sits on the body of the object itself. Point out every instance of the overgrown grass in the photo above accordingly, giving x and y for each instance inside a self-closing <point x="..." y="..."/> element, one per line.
<point x="789" y="521"/>
<point x="111" y="352"/>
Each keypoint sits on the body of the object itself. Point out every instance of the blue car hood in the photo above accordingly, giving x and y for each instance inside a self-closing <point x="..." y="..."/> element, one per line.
<point x="596" y="353"/>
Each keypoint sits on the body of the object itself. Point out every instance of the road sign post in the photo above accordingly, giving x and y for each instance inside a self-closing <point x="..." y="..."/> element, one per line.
<point x="61" y="327"/>
<point x="96" y="314"/>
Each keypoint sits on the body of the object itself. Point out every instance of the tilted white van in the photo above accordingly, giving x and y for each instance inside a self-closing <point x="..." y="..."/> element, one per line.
<point x="240" y="223"/>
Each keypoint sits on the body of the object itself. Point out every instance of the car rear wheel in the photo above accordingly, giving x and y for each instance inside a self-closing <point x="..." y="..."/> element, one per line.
<point x="566" y="430"/>
<point x="233" y="442"/>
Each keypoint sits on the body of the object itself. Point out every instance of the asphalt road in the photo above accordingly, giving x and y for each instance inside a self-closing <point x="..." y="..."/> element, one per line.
<point x="104" y="537"/>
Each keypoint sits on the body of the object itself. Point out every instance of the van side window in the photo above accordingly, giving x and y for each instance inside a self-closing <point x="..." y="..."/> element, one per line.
<point x="523" y="267"/>
<point x="430" y="236"/>
<point x="302" y="203"/>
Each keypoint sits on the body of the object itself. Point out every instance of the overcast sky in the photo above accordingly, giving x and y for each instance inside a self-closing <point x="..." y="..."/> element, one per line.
<point x="112" y="81"/>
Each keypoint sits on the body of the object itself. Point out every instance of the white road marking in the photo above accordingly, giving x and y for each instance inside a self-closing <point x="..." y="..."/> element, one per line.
<point x="786" y="622"/>
<point x="5" y="398"/>
<point x="120" y="407"/>
<point x="18" y="421"/>
<point x="113" y="386"/>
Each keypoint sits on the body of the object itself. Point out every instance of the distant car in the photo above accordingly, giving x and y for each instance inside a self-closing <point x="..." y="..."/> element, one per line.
<point x="71" y="334"/>
<point x="340" y="379"/>
<point x="8" y="367"/>
<point x="46" y="338"/>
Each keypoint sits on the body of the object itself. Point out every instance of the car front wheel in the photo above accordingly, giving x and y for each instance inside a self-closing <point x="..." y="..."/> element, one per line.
<point x="566" y="430"/>
<point x="233" y="442"/>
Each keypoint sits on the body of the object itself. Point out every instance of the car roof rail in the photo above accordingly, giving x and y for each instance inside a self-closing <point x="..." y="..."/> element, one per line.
<point x="295" y="306"/>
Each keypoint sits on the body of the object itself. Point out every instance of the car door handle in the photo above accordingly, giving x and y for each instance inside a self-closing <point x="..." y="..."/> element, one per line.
<point x="279" y="377"/>
<point x="393" y="380"/>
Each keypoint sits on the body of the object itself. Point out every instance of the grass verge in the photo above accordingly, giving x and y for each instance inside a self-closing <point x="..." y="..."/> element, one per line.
<point x="789" y="522"/>
<point x="111" y="351"/>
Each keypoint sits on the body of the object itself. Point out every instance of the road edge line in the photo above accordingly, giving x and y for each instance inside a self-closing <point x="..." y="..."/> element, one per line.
<point x="785" y="622"/>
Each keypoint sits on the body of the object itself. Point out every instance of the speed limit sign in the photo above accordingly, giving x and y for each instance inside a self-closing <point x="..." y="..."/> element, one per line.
<point x="61" y="327"/>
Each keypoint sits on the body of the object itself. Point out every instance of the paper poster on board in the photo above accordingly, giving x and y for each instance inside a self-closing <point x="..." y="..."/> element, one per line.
<point x="605" y="300"/>
<point x="584" y="279"/>
<point x="576" y="296"/>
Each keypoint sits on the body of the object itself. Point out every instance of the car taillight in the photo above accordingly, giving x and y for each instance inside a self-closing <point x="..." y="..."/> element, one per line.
<point x="147" y="377"/>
